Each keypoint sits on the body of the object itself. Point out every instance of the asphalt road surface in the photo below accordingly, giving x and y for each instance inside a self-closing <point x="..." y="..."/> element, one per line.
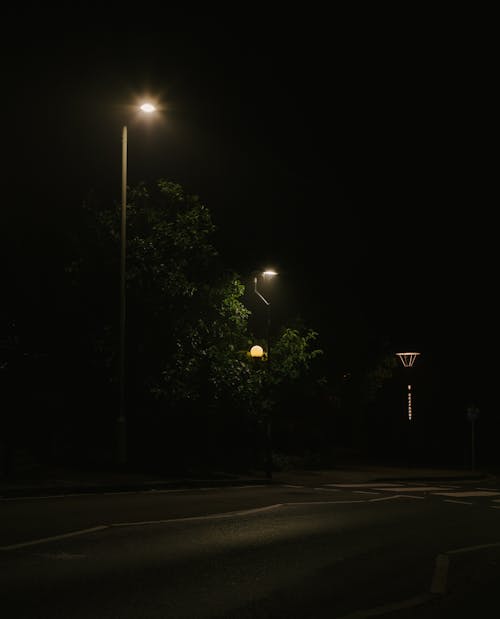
<point x="350" y="551"/>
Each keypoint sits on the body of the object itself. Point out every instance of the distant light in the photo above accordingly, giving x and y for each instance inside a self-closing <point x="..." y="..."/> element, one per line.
<point x="148" y="108"/>
<point x="407" y="358"/>
<point x="269" y="273"/>
<point x="409" y="402"/>
<point x="256" y="351"/>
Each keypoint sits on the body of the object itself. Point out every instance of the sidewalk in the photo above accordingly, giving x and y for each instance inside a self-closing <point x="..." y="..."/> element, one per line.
<point x="67" y="481"/>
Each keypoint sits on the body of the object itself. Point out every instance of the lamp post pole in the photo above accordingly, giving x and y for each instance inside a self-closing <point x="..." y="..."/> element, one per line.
<point x="121" y="421"/>
<point x="269" y="453"/>
<point x="121" y="455"/>
<point x="269" y="439"/>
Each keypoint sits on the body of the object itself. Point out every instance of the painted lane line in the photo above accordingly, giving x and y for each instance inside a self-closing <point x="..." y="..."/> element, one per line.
<point x="414" y="489"/>
<point x="458" y="502"/>
<point x="364" y="485"/>
<point x="198" y="518"/>
<point x="469" y="493"/>
<point x="231" y="487"/>
<point x="397" y="496"/>
<point x="292" y="486"/>
<point x="325" y="502"/>
<point x="364" y="492"/>
<point x="243" y="512"/>
<point x="53" y="538"/>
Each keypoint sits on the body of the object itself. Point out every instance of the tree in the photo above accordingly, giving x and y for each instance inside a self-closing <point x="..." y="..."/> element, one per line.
<point x="288" y="392"/>
<point x="187" y="328"/>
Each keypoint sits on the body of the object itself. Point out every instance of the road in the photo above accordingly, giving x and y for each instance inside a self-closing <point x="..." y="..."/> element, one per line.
<point x="342" y="551"/>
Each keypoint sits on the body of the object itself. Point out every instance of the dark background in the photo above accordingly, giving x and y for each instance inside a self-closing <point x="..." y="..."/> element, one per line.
<point x="354" y="154"/>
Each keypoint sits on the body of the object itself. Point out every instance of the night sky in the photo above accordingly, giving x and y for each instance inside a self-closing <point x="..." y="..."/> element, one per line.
<point x="356" y="161"/>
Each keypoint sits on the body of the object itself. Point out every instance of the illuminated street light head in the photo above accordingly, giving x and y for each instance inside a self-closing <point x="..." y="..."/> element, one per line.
<point x="269" y="273"/>
<point x="256" y="352"/>
<point x="149" y="108"/>
<point x="407" y="358"/>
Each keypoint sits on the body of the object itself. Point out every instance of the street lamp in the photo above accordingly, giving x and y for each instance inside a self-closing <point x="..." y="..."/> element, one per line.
<point x="147" y="108"/>
<point x="408" y="359"/>
<point x="265" y="275"/>
<point x="256" y="352"/>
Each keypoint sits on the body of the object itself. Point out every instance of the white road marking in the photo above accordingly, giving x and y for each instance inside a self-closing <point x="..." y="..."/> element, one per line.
<point x="326" y="502"/>
<point x="53" y="538"/>
<point x="364" y="485"/>
<point x="242" y="512"/>
<point x="414" y="488"/>
<point x="459" y="502"/>
<point x="364" y="492"/>
<point x="203" y="517"/>
<point x="469" y="493"/>
<point x="397" y="496"/>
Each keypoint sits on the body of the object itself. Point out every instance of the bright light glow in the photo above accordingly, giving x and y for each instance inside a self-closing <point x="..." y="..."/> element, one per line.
<point x="269" y="273"/>
<point x="148" y="108"/>
<point x="256" y="351"/>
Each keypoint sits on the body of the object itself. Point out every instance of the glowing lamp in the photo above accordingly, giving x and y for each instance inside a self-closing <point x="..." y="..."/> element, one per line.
<point x="257" y="352"/>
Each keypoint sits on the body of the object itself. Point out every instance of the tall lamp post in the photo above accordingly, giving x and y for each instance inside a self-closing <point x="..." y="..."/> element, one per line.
<point x="269" y="458"/>
<point x="408" y="359"/>
<point x="121" y="429"/>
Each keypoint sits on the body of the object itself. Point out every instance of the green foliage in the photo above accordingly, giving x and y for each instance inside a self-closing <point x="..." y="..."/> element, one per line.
<point x="292" y="355"/>
<point x="185" y="318"/>
<point x="289" y="366"/>
<point x="207" y="363"/>
<point x="187" y="331"/>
